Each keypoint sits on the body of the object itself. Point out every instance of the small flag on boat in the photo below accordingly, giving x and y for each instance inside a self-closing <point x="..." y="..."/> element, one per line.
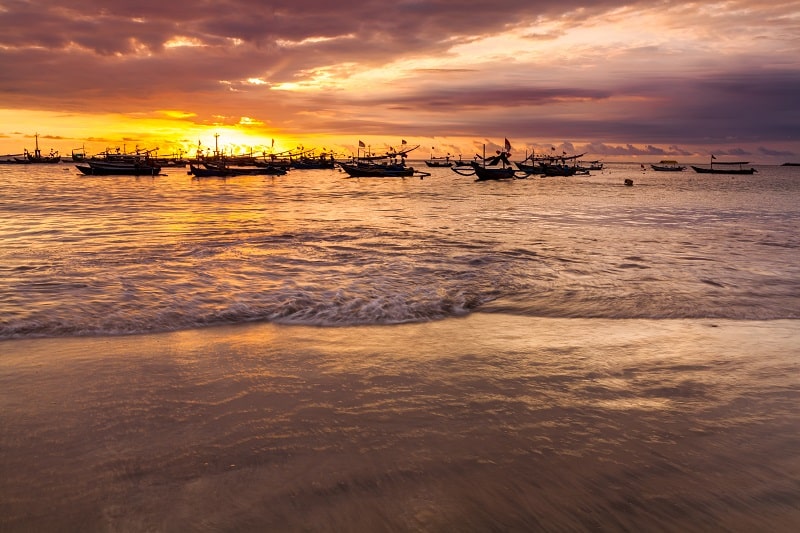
<point x="713" y="156"/>
<point x="508" y="145"/>
<point x="361" y="144"/>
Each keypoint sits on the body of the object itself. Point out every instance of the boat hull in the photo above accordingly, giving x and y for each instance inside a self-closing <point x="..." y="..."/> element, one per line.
<point x="377" y="171"/>
<point x="211" y="171"/>
<point x="740" y="171"/>
<point x="118" y="170"/>
<point x="660" y="168"/>
<point x="558" y="170"/>
<point x="486" y="174"/>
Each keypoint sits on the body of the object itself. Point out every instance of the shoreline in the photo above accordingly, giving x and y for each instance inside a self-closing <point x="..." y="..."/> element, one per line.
<point x="485" y="421"/>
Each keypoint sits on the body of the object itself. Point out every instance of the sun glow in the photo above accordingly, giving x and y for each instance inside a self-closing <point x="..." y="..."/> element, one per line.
<point x="169" y="130"/>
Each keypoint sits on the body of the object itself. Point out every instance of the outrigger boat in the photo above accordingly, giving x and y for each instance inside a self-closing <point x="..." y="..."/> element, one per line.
<point x="441" y="161"/>
<point x="392" y="164"/>
<point x="308" y="160"/>
<point x="462" y="163"/>
<point x="358" y="169"/>
<point x="552" y="165"/>
<point x="496" y="167"/>
<point x="221" y="169"/>
<point x="668" y="165"/>
<point x="712" y="170"/>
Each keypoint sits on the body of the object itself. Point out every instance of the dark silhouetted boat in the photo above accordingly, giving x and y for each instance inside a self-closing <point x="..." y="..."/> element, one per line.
<point x="119" y="163"/>
<point x="391" y="164"/>
<point x="440" y="161"/>
<point x="728" y="167"/>
<point x="103" y="168"/>
<point x="552" y="165"/>
<point x="590" y="165"/>
<point x="310" y="161"/>
<point x="496" y="167"/>
<point x="667" y="165"/>
<point x="36" y="157"/>
<point x="221" y="169"/>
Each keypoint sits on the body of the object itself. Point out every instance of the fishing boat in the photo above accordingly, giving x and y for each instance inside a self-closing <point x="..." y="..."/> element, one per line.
<point x="728" y="168"/>
<point x="284" y="160"/>
<point x="36" y="156"/>
<point x="590" y="165"/>
<point x="552" y="165"/>
<point x="105" y="168"/>
<point x="561" y="169"/>
<point x="462" y="163"/>
<point x="359" y="169"/>
<point x="438" y="162"/>
<point x="139" y="163"/>
<point x="308" y="160"/>
<point x="78" y="155"/>
<point x="496" y="167"/>
<point x="484" y="173"/>
<point x="222" y="169"/>
<point x="174" y="160"/>
<point x="667" y="165"/>
<point x="391" y="164"/>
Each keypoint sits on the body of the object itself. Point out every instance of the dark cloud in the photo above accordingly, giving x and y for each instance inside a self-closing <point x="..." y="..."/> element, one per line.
<point x="90" y="56"/>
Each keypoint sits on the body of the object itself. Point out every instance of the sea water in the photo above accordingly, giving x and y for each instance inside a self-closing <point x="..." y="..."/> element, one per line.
<point x="108" y="255"/>
<point x="311" y="352"/>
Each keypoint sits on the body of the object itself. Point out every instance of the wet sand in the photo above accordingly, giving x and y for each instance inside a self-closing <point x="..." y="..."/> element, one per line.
<point x="487" y="423"/>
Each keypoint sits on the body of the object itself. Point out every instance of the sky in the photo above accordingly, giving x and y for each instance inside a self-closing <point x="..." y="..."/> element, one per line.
<point x="640" y="81"/>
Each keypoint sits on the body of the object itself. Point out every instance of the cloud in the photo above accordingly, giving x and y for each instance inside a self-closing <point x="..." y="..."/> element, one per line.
<point x="768" y="152"/>
<point x="591" y="71"/>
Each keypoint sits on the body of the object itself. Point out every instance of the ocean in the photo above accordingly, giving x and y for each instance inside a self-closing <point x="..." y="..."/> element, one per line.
<point x="313" y="352"/>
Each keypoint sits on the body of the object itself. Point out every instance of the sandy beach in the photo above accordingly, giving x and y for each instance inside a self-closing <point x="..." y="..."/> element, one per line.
<point x="489" y="422"/>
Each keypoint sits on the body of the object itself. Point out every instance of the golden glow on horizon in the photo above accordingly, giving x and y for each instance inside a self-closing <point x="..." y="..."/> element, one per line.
<point x="167" y="129"/>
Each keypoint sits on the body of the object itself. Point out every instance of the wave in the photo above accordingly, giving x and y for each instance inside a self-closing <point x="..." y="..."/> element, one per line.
<point x="346" y="308"/>
<point x="325" y="309"/>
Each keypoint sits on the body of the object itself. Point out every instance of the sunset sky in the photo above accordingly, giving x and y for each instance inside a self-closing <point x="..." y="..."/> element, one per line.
<point x="636" y="82"/>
